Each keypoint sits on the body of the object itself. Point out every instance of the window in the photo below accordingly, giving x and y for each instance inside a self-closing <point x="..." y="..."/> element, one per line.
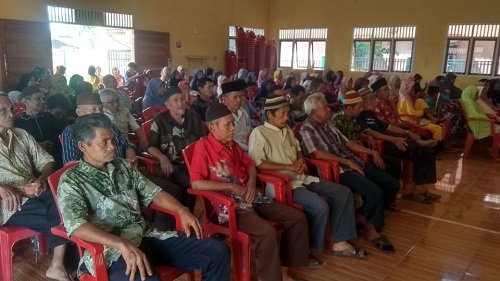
<point x="232" y="35"/>
<point x="388" y="49"/>
<point x="303" y="48"/>
<point x="472" y="48"/>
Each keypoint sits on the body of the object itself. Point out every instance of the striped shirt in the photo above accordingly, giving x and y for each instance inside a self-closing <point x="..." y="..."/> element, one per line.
<point x="326" y="137"/>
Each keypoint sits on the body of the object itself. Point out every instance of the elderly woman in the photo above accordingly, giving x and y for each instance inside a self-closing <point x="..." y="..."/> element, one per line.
<point x="394" y="84"/>
<point x="345" y="86"/>
<point x="60" y="85"/>
<point x="278" y="77"/>
<point x="44" y="127"/>
<point x="480" y="129"/>
<point x="410" y="108"/>
<point x="154" y="94"/>
<point x="194" y="83"/>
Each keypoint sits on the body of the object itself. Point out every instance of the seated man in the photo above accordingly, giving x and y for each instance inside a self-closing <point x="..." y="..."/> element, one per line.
<point x="21" y="158"/>
<point x="322" y="140"/>
<point x="110" y="82"/>
<point x="221" y="165"/>
<point x="345" y="122"/>
<point x="297" y="97"/>
<point x="39" y="123"/>
<point x="171" y="132"/>
<point x="274" y="147"/>
<point x="423" y="158"/>
<point x="232" y="95"/>
<point x="121" y="116"/>
<point x="205" y="98"/>
<point x="100" y="201"/>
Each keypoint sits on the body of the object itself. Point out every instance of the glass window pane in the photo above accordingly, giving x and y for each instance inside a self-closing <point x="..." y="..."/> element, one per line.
<point x="319" y="53"/>
<point x="232" y="31"/>
<point x="286" y="48"/>
<point x="402" y="56"/>
<point x="381" y="54"/>
<point x="482" y="57"/>
<point x="301" y="56"/>
<point x="361" y="56"/>
<point x="456" y="58"/>
<point x="232" y="45"/>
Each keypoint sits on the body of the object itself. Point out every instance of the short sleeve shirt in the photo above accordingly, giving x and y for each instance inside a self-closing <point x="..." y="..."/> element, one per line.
<point x="386" y="112"/>
<point x="368" y="120"/>
<point x="110" y="200"/>
<point x="123" y="120"/>
<point x="215" y="162"/>
<point x="347" y="125"/>
<point x="171" y="138"/>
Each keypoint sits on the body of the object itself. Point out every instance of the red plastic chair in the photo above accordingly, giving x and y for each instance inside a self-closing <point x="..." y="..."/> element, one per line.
<point x="240" y="241"/>
<point x="96" y="250"/>
<point x="470" y="136"/>
<point x="408" y="177"/>
<point x="18" y="109"/>
<point x="150" y="112"/>
<point x="10" y="235"/>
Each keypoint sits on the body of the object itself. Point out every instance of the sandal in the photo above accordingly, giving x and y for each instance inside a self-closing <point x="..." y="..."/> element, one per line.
<point x="314" y="263"/>
<point x="383" y="244"/>
<point x="352" y="252"/>
<point x="418" y="197"/>
<point x="432" y="196"/>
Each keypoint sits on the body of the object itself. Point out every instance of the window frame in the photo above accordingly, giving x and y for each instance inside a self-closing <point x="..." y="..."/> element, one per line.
<point x="391" y="57"/>
<point x="310" y="53"/>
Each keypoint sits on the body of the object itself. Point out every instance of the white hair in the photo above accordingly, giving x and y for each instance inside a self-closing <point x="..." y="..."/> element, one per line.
<point x="312" y="102"/>
<point x="106" y="92"/>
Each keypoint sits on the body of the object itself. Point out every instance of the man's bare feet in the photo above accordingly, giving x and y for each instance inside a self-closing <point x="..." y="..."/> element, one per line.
<point x="58" y="274"/>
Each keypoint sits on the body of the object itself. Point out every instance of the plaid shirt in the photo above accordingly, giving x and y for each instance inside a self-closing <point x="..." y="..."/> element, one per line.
<point x="327" y="138"/>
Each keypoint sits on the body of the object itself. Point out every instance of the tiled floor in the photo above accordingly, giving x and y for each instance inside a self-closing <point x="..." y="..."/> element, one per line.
<point x="455" y="239"/>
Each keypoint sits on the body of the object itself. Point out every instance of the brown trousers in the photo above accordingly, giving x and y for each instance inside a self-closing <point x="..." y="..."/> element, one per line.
<point x="270" y="255"/>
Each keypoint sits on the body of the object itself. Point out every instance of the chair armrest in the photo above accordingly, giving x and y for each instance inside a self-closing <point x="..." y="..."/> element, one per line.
<point x="365" y="157"/>
<point x="178" y="221"/>
<point x="215" y="197"/>
<point x="149" y="163"/>
<point x="282" y="186"/>
<point x="323" y="166"/>
<point x="491" y="121"/>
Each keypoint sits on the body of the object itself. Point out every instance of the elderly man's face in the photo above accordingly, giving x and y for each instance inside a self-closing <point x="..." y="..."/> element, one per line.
<point x="111" y="103"/>
<point x="101" y="149"/>
<point x="322" y="113"/>
<point x="6" y="113"/>
<point x="223" y="129"/>
<point x="369" y="102"/>
<point x="233" y="100"/>
<point x="35" y="103"/>
<point x="86" y="109"/>
<point x="279" y="118"/>
<point x="176" y="104"/>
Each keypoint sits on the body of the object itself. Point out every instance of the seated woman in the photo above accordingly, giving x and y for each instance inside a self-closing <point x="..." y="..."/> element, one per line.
<point x="410" y="109"/>
<point x="44" y="127"/>
<point x="480" y="129"/>
<point x="154" y="94"/>
<point x="60" y="85"/>
<point x="278" y="78"/>
<point x="483" y="104"/>
<point x="441" y="106"/>
<point x="93" y="79"/>
<point x="394" y="86"/>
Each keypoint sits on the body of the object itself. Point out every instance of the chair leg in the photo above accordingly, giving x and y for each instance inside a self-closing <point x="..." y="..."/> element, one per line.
<point x="6" y="257"/>
<point x="496" y="143"/>
<point x="42" y="244"/>
<point x="468" y="144"/>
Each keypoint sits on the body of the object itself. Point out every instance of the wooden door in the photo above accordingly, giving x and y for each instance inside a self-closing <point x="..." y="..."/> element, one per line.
<point x="24" y="45"/>
<point x="152" y="50"/>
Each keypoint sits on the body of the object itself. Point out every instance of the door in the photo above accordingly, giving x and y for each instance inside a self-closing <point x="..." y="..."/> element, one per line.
<point x="24" y="45"/>
<point x="152" y="50"/>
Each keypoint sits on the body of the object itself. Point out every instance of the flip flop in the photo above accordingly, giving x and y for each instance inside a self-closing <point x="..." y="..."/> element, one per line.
<point x="352" y="252"/>
<point x="433" y="196"/>
<point x="418" y="197"/>
<point x="383" y="244"/>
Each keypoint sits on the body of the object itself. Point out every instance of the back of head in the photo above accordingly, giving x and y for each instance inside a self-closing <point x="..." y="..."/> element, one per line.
<point x="109" y="81"/>
<point x="83" y="87"/>
<point x="58" y="101"/>
<point x="91" y="70"/>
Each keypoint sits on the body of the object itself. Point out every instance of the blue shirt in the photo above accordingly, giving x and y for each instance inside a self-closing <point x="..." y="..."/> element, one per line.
<point x="71" y="152"/>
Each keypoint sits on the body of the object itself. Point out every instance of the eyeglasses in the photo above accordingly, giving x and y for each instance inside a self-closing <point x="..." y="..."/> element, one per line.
<point x="111" y="101"/>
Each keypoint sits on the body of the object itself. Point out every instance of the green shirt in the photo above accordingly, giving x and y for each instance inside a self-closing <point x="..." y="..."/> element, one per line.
<point x="109" y="200"/>
<point x="347" y="125"/>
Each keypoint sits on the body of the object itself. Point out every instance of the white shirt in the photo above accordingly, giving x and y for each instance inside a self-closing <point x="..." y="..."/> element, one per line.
<point x="241" y="128"/>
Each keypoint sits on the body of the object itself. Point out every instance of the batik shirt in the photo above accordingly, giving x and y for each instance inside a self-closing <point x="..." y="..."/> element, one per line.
<point x="110" y="200"/>
<point x="20" y="158"/>
<point x="386" y="112"/>
<point x="347" y="125"/>
<point x="215" y="162"/>
<point x="171" y="138"/>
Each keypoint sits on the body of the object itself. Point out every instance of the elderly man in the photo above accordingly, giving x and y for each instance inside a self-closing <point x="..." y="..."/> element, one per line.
<point x="274" y="147"/>
<point x="401" y="144"/>
<point x="297" y="97"/>
<point x="322" y="140"/>
<point x="100" y="202"/>
<point x="205" y="98"/>
<point x="88" y="103"/>
<point x="232" y="95"/>
<point x="40" y="124"/>
<point x="110" y="82"/>
<point x="120" y="116"/>
<point x="25" y="199"/>
<point x="221" y="165"/>
<point x="171" y="132"/>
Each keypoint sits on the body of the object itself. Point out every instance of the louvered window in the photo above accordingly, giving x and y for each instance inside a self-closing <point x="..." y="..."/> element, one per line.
<point x="303" y="48"/>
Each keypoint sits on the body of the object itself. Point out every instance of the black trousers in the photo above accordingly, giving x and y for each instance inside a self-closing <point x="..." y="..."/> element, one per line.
<point x="423" y="158"/>
<point x="163" y="221"/>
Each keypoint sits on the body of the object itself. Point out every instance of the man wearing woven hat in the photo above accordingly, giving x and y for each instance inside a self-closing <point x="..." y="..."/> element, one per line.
<point x="171" y="132"/>
<point x="322" y="140"/>
<point x="232" y="95"/>
<point x="221" y="165"/>
<point x="401" y="144"/>
<point x="273" y="146"/>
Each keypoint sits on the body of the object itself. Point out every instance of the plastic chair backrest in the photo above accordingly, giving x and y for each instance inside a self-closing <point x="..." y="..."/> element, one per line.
<point x="53" y="181"/>
<point x="146" y="128"/>
<point x="296" y="129"/>
<point x="150" y="112"/>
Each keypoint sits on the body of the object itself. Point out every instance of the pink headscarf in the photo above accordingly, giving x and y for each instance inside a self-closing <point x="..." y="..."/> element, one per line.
<point x="406" y="88"/>
<point x="262" y="77"/>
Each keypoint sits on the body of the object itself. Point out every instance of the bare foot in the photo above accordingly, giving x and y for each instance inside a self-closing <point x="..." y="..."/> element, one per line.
<point x="57" y="274"/>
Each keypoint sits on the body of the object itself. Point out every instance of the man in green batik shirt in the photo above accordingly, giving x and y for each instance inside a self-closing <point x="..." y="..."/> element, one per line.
<point x="100" y="202"/>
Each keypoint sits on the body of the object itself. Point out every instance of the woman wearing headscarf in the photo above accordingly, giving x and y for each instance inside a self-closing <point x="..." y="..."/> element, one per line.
<point x="262" y="76"/>
<point x="142" y="82"/>
<point x="175" y="78"/>
<point x="221" y="80"/>
<point x="483" y="105"/>
<point x="154" y="94"/>
<point x="194" y="83"/>
<point x="345" y="86"/>
<point x="165" y="74"/>
<point x="60" y="85"/>
<point x="209" y="72"/>
<point x="394" y="84"/>
<point x="263" y="92"/>
<point x="74" y="81"/>
<point x="418" y="87"/>
<point x="242" y="74"/>
<point x="44" y="79"/>
<point x="480" y="129"/>
<point x="278" y="77"/>
<point x="409" y="106"/>
<point x="453" y="90"/>
<point x="251" y="79"/>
